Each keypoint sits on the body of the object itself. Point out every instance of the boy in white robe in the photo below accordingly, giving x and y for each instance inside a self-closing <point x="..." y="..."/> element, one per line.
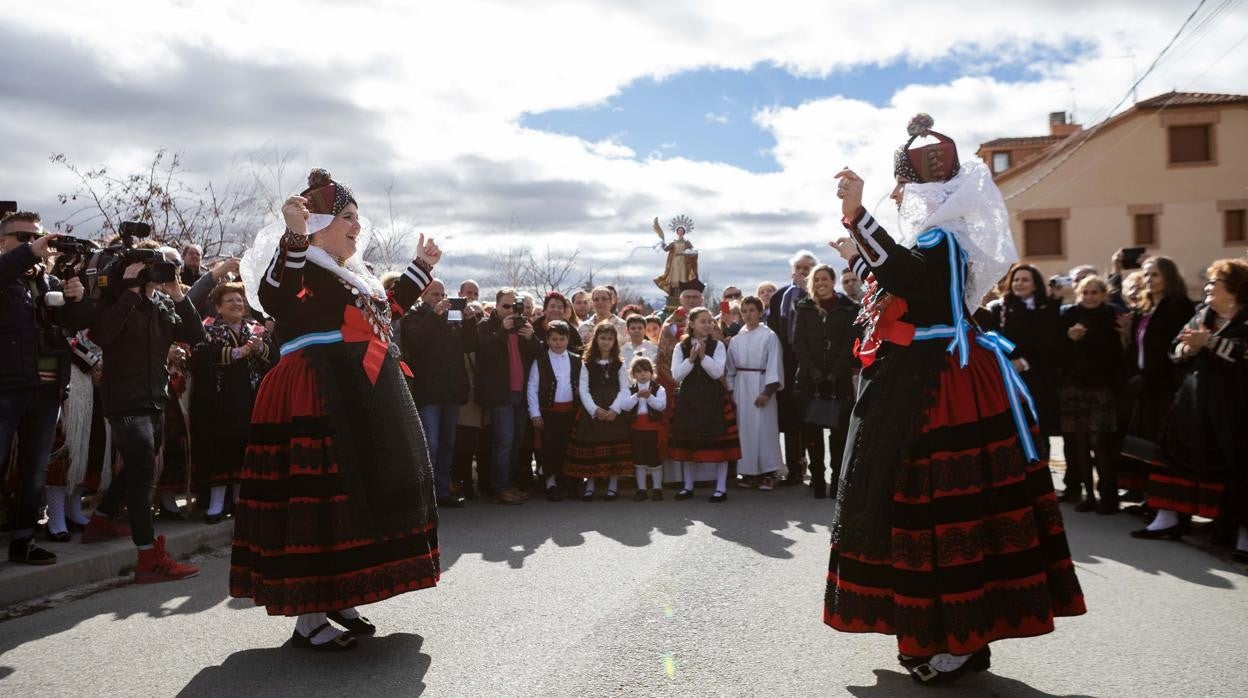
<point x="754" y="376"/>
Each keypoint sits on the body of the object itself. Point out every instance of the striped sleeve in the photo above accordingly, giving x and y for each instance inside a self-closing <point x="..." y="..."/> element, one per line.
<point x="871" y="240"/>
<point x="283" y="279"/>
<point x="410" y="287"/>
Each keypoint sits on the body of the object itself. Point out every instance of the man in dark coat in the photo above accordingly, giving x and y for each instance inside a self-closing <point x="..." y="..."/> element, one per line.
<point x="506" y="349"/>
<point x="781" y="318"/>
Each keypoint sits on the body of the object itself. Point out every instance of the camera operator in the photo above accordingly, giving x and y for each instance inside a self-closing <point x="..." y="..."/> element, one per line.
<point x="506" y="350"/>
<point x="147" y="313"/>
<point x="35" y="311"/>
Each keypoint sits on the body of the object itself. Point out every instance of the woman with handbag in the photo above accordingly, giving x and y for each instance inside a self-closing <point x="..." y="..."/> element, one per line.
<point x="1204" y="440"/>
<point x="1153" y="378"/>
<point x="823" y="339"/>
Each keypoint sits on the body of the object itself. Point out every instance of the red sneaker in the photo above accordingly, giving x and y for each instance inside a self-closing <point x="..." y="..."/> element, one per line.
<point x="155" y="565"/>
<point x="103" y="528"/>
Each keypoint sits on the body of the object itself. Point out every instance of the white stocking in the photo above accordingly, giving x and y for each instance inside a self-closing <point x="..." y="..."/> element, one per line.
<point x="216" y="503"/>
<point x="551" y="480"/>
<point x="55" y="496"/>
<point x="721" y="477"/>
<point x="308" y="622"/>
<point x="613" y="483"/>
<point x="589" y="485"/>
<point x="656" y="477"/>
<point x="945" y="662"/>
<point x="639" y="472"/>
<point x="687" y="468"/>
<point x="1164" y="519"/>
<point x="73" y="507"/>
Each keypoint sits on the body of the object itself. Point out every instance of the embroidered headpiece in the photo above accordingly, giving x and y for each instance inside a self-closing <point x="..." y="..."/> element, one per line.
<point x="935" y="162"/>
<point x="325" y="196"/>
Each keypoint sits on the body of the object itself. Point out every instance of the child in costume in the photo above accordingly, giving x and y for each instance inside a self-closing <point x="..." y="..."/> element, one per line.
<point x="754" y="377"/>
<point x="600" y="444"/>
<point x="645" y="403"/>
<point x="552" y="402"/>
<point x="704" y="423"/>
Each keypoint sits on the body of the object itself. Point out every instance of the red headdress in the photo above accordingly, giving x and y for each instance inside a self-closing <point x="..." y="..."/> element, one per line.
<point x="935" y="162"/>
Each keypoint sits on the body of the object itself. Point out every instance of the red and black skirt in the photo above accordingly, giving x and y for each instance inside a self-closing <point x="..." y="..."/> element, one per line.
<point x="694" y="447"/>
<point x="973" y="547"/>
<point x="306" y="538"/>
<point x="598" y="448"/>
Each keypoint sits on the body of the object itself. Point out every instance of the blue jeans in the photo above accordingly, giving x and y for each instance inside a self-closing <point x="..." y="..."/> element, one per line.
<point x="440" y="422"/>
<point x="508" y="423"/>
<point x="30" y="415"/>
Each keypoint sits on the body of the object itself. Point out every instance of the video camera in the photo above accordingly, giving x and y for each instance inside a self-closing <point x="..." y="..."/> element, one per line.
<point x="104" y="271"/>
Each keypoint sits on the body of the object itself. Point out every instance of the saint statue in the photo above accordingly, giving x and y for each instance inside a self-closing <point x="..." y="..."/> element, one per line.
<point x="682" y="259"/>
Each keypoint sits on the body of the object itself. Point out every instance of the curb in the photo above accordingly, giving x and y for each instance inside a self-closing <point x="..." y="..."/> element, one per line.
<point x="79" y="564"/>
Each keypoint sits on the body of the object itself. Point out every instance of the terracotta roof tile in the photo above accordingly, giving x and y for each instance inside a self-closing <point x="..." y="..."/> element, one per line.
<point x="1190" y="99"/>
<point x="1022" y="141"/>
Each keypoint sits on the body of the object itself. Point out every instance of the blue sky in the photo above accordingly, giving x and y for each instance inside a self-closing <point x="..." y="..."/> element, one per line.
<point x="707" y="114"/>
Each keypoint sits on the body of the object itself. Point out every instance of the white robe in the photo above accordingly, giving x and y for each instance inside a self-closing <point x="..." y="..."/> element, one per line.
<point x="758" y="348"/>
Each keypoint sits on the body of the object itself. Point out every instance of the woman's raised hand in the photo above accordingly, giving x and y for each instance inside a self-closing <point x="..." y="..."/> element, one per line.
<point x="427" y="251"/>
<point x="295" y="212"/>
<point x="849" y="191"/>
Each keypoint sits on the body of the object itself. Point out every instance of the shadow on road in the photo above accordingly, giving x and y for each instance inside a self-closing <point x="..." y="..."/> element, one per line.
<point x="890" y="684"/>
<point x="754" y="520"/>
<point x="288" y="671"/>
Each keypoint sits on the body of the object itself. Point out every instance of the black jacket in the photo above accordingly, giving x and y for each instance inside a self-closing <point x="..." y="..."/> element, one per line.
<point x="434" y="350"/>
<point x="1096" y="360"/>
<point x="1037" y="336"/>
<point x="28" y="327"/>
<point x="135" y="334"/>
<point x="824" y="345"/>
<point x="492" y="379"/>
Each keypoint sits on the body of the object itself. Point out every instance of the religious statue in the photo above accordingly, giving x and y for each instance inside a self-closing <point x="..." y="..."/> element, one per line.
<point x="682" y="259"/>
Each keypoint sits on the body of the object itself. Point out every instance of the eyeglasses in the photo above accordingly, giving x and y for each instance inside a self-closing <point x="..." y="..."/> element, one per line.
<point x="732" y="296"/>
<point x="25" y="236"/>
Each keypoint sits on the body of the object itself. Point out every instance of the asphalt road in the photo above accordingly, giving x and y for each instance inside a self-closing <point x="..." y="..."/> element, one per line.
<point x="651" y="598"/>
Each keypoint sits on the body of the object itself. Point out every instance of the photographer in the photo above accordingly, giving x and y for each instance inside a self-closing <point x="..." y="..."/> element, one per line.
<point x="35" y="310"/>
<point x="435" y="336"/>
<point x="147" y="313"/>
<point x="507" y="349"/>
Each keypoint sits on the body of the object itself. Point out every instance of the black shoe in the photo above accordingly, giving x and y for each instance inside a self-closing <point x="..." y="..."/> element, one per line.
<point x="923" y="673"/>
<point x="450" y="502"/>
<point x="339" y="644"/>
<point x="1105" y="508"/>
<point x="170" y="514"/>
<point x="683" y="495"/>
<point x="1070" y="496"/>
<point x="25" y="551"/>
<point x="656" y="495"/>
<point x="213" y="519"/>
<point x="553" y="494"/>
<point x="611" y="496"/>
<point x="819" y="488"/>
<point x="1086" y="505"/>
<point x="1240" y="556"/>
<point x="587" y="497"/>
<point x="718" y="497"/>
<point x="1174" y="532"/>
<point x="62" y="537"/>
<point x="358" y="625"/>
<point x="641" y="496"/>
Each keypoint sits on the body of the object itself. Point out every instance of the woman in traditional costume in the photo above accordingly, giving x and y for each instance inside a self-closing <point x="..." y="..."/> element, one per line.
<point x="337" y="507"/>
<point x="948" y="534"/>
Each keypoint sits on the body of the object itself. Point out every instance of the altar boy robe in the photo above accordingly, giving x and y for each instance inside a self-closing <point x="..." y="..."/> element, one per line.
<point x="753" y="363"/>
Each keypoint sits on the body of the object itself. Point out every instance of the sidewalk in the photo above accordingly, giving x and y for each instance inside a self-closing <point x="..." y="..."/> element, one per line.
<point x="79" y="564"/>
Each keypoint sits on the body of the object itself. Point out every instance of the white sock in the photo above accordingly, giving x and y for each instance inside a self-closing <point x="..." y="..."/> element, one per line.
<point x="945" y="662"/>
<point x="1242" y="543"/>
<point x="721" y="477"/>
<point x="589" y="485"/>
<point x="349" y="613"/>
<point x="687" y="468"/>
<point x="613" y="483"/>
<point x="308" y="622"/>
<point x="216" y="503"/>
<point x="639" y="472"/>
<point x="169" y="501"/>
<point x="551" y="480"/>
<point x="1164" y="519"/>
<point x="73" y="507"/>
<point x="656" y="477"/>
<point x="55" y="496"/>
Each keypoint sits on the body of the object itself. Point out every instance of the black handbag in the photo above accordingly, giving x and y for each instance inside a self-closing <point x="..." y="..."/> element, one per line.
<point x="823" y="412"/>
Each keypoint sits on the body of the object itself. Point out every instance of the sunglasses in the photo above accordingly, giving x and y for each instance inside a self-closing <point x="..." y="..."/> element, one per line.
<point x="25" y="236"/>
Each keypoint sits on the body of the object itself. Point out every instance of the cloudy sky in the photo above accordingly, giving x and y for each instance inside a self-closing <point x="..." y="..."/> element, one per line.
<point x="577" y="123"/>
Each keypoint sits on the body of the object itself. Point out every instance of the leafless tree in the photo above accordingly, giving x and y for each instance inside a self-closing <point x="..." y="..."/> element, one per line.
<point x="394" y="239"/>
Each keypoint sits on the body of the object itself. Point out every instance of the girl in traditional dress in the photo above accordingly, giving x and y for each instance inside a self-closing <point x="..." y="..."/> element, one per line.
<point x="337" y="507"/>
<point x="644" y="406"/>
<point x="227" y="368"/>
<point x="704" y="423"/>
<point x="600" y="443"/>
<point x="948" y="534"/>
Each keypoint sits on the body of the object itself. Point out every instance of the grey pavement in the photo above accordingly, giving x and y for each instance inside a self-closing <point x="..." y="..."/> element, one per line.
<point x="649" y="598"/>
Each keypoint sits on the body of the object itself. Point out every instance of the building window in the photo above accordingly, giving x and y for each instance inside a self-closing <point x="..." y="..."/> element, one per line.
<point x="1233" y="224"/>
<point x="1146" y="229"/>
<point x="1000" y="162"/>
<point x="1042" y="237"/>
<point x="1190" y="144"/>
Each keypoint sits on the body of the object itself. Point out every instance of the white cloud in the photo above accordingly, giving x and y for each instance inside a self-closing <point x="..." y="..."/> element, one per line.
<point x="713" y="118"/>
<point x="429" y="95"/>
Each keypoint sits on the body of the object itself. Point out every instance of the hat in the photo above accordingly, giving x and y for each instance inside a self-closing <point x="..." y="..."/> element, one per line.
<point x="935" y="162"/>
<point x="325" y="196"/>
<point x="692" y="285"/>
